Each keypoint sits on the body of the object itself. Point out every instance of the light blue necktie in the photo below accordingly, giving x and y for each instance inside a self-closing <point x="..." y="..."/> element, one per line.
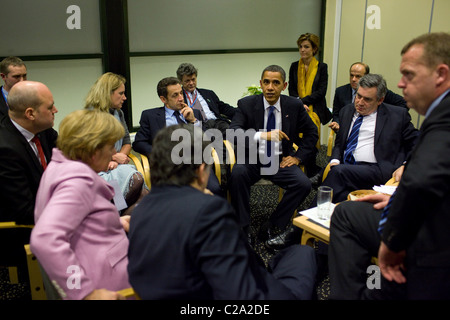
<point x="352" y="141"/>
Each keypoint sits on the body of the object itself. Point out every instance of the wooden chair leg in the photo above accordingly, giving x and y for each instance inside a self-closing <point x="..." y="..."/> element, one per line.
<point x="36" y="283"/>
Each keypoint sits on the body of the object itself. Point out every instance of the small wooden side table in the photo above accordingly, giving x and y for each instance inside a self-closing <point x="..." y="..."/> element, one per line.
<point x="311" y="230"/>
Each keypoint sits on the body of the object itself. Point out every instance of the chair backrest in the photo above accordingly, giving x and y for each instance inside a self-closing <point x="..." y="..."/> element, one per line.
<point x="142" y="165"/>
<point x="34" y="274"/>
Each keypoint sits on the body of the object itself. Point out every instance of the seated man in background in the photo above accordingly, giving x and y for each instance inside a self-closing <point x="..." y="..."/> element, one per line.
<point x="216" y="113"/>
<point x="173" y="112"/>
<point x="185" y="244"/>
<point x="374" y="140"/>
<point x="12" y="70"/>
<point x="345" y="94"/>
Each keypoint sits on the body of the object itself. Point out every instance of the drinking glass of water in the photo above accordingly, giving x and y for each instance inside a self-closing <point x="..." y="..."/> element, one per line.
<point x="324" y="198"/>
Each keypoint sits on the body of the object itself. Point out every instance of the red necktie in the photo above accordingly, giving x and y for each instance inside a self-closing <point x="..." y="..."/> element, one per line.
<point x="37" y="142"/>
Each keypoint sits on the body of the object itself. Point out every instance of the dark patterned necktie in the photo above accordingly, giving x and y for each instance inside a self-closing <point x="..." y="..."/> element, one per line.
<point x="177" y="116"/>
<point x="270" y="126"/>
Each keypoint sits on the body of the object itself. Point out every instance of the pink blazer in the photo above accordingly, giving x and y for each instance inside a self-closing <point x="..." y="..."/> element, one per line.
<point x="78" y="238"/>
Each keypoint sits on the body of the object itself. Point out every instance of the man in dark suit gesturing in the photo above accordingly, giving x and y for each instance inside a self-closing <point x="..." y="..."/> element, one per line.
<point x="281" y="166"/>
<point x="368" y="156"/>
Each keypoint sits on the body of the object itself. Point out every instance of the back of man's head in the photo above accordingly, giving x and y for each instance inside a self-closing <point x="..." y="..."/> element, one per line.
<point x="177" y="153"/>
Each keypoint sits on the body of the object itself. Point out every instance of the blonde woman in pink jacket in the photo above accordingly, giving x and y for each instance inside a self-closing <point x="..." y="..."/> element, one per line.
<point x="79" y="237"/>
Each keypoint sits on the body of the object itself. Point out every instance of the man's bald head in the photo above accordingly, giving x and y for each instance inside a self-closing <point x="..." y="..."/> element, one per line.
<point x="26" y="94"/>
<point x="31" y="105"/>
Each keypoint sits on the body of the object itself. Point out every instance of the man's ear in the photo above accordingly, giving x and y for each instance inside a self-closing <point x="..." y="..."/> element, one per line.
<point x="29" y="113"/>
<point x="163" y="99"/>
<point x="442" y="71"/>
<point x="203" y="172"/>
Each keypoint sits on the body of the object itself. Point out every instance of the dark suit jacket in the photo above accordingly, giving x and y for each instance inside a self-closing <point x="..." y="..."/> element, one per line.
<point x="152" y="120"/>
<point x="419" y="218"/>
<point x="343" y="97"/>
<point x="294" y="120"/>
<point x="395" y="137"/>
<point x="218" y="107"/>
<point x="3" y="105"/>
<point x="319" y="90"/>
<point x="20" y="172"/>
<point x="185" y="244"/>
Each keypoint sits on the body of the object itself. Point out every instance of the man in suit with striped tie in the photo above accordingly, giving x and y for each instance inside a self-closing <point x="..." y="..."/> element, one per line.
<point x="408" y="231"/>
<point x="375" y="138"/>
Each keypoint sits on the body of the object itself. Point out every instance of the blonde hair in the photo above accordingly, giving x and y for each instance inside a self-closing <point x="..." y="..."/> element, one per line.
<point x="82" y="132"/>
<point x="99" y="96"/>
<point x="312" y="38"/>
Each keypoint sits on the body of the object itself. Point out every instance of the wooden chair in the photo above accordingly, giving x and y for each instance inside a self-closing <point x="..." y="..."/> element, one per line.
<point x="35" y="276"/>
<point x="331" y="138"/>
<point x="142" y="165"/>
<point x="129" y="293"/>
<point x="12" y="269"/>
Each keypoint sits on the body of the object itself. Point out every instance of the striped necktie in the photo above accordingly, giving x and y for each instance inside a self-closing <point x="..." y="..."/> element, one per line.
<point x="352" y="141"/>
<point x="384" y="215"/>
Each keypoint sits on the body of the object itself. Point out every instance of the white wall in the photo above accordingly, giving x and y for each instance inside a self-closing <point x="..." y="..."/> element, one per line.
<point x="68" y="80"/>
<point x="228" y="75"/>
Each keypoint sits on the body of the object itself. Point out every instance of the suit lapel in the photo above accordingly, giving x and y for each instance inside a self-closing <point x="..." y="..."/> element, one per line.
<point x="285" y="123"/>
<point x="161" y="118"/>
<point x="259" y="112"/>
<point x="381" y="120"/>
<point x="347" y="121"/>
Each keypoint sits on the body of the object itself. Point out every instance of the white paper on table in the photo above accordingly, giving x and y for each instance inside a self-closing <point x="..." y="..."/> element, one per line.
<point x="385" y="189"/>
<point x="312" y="214"/>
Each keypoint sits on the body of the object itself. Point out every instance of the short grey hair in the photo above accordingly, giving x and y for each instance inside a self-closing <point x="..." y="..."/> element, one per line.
<point x="373" y="80"/>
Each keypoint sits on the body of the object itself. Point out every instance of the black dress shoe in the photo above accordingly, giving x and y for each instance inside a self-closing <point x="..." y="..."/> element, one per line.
<point x="265" y="231"/>
<point x="290" y="236"/>
<point x="316" y="180"/>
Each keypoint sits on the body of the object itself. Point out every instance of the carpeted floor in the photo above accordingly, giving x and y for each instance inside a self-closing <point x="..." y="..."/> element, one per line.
<point x="263" y="200"/>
